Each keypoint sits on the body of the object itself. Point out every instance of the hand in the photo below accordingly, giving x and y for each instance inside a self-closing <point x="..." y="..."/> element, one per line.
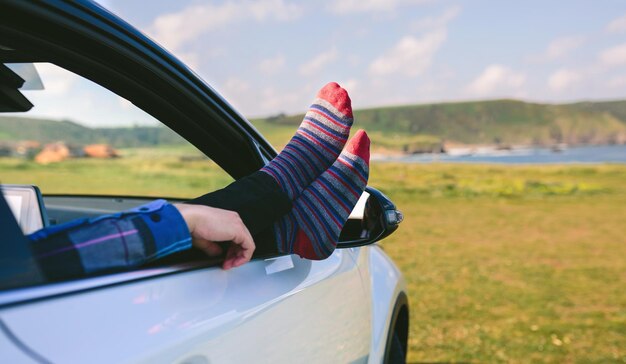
<point x="209" y="225"/>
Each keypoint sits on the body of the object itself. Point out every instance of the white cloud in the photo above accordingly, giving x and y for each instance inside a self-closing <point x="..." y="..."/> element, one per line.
<point x="563" y="79"/>
<point x="562" y="46"/>
<point x="614" y="56"/>
<point x="175" y="29"/>
<point x="56" y="80"/>
<point x="559" y="48"/>
<point x="361" y="6"/>
<point x="411" y="56"/>
<point x="318" y="62"/>
<point x="271" y="66"/>
<point x="437" y="22"/>
<point x="496" y="78"/>
<point x="617" y="25"/>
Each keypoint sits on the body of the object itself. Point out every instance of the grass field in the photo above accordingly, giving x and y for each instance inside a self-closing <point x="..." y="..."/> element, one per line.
<point x="503" y="263"/>
<point x="511" y="264"/>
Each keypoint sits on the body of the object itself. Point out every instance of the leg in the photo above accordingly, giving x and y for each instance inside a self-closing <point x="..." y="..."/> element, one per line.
<point x="257" y="199"/>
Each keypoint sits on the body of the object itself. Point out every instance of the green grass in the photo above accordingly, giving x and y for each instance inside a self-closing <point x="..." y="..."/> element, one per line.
<point x="511" y="264"/>
<point x="176" y="171"/>
<point x="277" y="134"/>
<point x="503" y="263"/>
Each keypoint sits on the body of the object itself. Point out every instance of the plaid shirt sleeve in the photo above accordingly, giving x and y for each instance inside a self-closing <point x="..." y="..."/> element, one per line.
<point x="110" y="242"/>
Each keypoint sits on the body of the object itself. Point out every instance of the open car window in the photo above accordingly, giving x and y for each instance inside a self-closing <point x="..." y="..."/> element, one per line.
<point x="79" y="150"/>
<point x="82" y="139"/>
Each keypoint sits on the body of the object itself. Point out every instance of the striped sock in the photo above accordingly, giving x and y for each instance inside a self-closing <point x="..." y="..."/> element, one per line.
<point x="312" y="228"/>
<point x="316" y="144"/>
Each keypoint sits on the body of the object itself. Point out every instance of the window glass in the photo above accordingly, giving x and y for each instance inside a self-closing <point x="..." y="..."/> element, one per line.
<point x="80" y="138"/>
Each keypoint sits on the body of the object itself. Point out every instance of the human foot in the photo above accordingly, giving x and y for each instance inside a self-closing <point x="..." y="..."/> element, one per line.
<point x="312" y="228"/>
<point x="316" y="144"/>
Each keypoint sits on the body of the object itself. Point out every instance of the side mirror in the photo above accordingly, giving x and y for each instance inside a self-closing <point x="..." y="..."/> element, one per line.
<point x="374" y="218"/>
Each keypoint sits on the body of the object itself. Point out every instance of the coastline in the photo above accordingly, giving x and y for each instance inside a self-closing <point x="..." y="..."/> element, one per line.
<point x="517" y="154"/>
<point x="459" y="149"/>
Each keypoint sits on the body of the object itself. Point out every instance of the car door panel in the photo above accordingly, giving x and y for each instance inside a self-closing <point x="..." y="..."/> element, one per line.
<point x="11" y="353"/>
<point x="313" y="312"/>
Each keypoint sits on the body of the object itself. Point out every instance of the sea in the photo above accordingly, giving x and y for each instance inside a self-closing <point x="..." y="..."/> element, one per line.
<point x="573" y="155"/>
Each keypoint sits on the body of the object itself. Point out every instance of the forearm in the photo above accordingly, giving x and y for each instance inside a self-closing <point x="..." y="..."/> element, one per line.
<point x="110" y="242"/>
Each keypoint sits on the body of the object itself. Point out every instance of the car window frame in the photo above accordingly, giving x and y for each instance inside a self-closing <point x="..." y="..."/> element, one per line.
<point x="78" y="36"/>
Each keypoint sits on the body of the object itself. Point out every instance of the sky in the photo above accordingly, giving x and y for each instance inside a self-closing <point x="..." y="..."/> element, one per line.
<point x="271" y="56"/>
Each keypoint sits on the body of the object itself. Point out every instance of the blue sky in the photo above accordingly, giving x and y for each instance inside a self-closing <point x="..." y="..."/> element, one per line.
<point x="271" y="56"/>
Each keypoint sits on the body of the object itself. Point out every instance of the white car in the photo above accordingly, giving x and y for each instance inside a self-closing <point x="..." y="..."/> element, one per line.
<point x="349" y="308"/>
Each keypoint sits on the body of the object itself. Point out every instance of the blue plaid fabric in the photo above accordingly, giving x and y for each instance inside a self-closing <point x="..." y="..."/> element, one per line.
<point x="110" y="242"/>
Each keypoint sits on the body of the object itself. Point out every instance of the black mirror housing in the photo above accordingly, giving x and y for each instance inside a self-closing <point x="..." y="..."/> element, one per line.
<point x="11" y="99"/>
<point x="371" y="221"/>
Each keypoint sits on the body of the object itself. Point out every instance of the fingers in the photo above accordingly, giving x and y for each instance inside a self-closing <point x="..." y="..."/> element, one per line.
<point x="229" y="261"/>
<point x="208" y="225"/>
<point x="240" y="252"/>
<point x="234" y="258"/>
<point x="246" y="243"/>
<point x="242" y="249"/>
<point x="212" y="249"/>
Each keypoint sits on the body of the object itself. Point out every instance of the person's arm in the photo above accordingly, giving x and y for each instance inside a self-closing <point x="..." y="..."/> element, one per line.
<point x="136" y="237"/>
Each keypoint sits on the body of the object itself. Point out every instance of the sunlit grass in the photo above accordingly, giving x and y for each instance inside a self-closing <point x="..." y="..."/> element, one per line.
<point x="503" y="263"/>
<point x="511" y="264"/>
<point x="171" y="172"/>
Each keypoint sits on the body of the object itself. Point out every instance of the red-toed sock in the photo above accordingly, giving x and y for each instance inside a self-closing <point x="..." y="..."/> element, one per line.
<point x="316" y="144"/>
<point x="312" y="228"/>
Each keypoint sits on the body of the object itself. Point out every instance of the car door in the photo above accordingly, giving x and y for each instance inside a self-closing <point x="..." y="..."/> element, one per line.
<point x="283" y="309"/>
<point x="11" y="353"/>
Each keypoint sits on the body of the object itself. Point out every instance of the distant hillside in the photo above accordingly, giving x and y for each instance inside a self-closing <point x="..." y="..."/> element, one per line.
<point x="615" y="108"/>
<point x="485" y="122"/>
<point x="410" y="128"/>
<point x="20" y="128"/>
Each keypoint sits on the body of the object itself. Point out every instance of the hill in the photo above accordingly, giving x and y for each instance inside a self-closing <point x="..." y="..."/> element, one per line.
<point x="503" y="122"/>
<point x="409" y="128"/>
<point x="43" y="130"/>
